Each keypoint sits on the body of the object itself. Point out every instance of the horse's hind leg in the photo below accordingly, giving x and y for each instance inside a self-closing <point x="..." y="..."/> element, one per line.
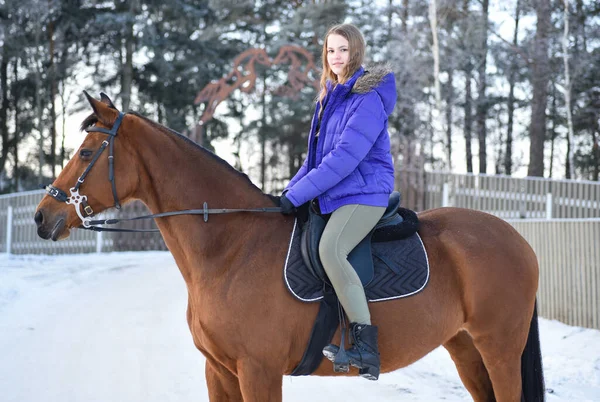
<point x="223" y="386"/>
<point x="470" y="367"/>
<point x="501" y="350"/>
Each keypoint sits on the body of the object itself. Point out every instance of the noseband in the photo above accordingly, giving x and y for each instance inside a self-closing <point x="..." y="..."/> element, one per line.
<point x="77" y="199"/>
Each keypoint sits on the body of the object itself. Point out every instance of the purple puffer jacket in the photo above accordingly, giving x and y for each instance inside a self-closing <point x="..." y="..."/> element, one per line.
<point x="350" y="161"/>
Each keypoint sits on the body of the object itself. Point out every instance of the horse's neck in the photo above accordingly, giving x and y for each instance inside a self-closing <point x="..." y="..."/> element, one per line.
<point x="176" y="176"/>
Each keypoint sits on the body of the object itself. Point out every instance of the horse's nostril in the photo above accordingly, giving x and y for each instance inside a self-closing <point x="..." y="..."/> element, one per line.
<point x="38" y="218"/>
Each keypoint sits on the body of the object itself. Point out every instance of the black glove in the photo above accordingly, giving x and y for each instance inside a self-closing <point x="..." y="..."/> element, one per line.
<point x="287" y="208"/>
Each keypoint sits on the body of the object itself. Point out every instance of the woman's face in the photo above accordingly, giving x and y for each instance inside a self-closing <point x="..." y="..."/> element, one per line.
<point x="337" y="53"/>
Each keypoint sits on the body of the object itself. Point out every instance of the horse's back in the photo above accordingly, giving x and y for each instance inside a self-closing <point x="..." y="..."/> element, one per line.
<point x="478" y="238"/>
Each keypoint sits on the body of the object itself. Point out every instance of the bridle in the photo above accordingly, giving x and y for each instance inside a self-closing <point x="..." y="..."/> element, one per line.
<point x="78" y="200"/>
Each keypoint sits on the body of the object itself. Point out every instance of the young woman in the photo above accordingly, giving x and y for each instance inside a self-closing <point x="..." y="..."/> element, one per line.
<point x="349" y="170"/>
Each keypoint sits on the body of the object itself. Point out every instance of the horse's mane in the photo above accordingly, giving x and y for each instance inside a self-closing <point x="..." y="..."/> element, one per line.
<point x="93" y="119"/>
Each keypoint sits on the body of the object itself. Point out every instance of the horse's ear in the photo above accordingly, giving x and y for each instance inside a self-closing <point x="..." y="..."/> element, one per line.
<point x="105" y="99"/>
<point x="104" y="112"/>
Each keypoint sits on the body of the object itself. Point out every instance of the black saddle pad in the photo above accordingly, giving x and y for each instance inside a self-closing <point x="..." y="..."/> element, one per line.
<point x="401" y="269"/>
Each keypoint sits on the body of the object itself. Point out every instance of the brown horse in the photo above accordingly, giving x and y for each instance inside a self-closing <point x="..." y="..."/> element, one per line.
<point x="479" y="302"/>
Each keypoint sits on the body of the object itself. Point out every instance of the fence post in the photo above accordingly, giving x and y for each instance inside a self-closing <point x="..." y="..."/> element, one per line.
<point x="9" y="228"/>
<point x="445" y="195"/>
<point x="549" y="206"/>
<point x="98" y="242"/>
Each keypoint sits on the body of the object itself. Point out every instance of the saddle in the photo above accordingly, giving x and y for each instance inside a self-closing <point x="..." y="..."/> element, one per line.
<point x="361" y="257"/>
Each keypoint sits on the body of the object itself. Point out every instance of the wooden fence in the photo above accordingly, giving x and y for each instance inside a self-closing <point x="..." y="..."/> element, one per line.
<point x="568" y="253"/>
<point x="559" y="218"/>
<point x="503" y="196"/>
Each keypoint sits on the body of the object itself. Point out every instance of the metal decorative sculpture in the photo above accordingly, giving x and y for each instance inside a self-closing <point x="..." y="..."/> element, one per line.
<point x="243" y="76"/>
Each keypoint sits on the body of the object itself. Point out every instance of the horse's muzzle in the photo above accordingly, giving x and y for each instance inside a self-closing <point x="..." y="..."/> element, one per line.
<point x="54" y="229"/>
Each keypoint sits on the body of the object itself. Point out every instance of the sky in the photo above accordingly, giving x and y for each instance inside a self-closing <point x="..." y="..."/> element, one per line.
<point x="112" y="327"/>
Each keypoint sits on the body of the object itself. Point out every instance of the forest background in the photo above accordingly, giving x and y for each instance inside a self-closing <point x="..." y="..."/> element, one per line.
<point x="506" y="87"/>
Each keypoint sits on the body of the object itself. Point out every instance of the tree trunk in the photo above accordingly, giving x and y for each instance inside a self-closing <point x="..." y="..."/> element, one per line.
<point x="567" y="91"/>
<point x="390" y="19"/>
<point x="52" y="77"/>
<point x="17" y="100"/>
<point x="449" y="105"/>
<point x="435" y="49"/>
<point x="38" y="101"/>
<point x="554" y="113"/>
<point x="127" y="78"/>
<point x="581" y="16"/>
<point x="596" y="151"/>
<point x="539" y="77"/>
<point x="436" y="112"/>
<point x="500" y="146"/>
<point x="63" y="106"/>
<point x="481" y="87"/>
<point x="4" y="107"/>
<point x="263" y="135"/>
<point x="404" y="16"/>
<point x="468" y="128"/>
<point x="511" y="97"/>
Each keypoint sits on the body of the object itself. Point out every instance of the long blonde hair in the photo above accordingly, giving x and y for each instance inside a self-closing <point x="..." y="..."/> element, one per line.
<point x="356" y="47"/>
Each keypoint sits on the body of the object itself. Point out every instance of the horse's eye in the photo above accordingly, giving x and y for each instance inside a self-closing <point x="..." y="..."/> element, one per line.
<point x="85" y="154"/>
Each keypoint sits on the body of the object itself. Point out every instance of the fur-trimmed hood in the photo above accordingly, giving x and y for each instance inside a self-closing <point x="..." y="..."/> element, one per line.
<point x="372" y="77"/>
<point x="379" y="78"/>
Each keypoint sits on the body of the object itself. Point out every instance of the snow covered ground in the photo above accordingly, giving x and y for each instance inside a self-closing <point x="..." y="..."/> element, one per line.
<point x="111" y="327"/>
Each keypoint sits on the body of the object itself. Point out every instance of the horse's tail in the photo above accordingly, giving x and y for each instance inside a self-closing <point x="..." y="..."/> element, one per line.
<point x="532" y="375"/>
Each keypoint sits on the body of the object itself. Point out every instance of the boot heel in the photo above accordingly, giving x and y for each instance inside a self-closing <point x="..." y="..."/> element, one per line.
<point x="369" y="372"/>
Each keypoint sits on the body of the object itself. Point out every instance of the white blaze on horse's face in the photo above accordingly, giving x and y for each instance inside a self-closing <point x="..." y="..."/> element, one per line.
<point x="55" y="217"/>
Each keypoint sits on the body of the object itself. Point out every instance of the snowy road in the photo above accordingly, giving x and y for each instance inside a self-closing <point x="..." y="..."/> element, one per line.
<point x="112" y="327"/>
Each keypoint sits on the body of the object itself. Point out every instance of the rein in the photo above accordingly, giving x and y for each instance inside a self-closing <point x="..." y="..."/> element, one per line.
<point x="77" y="199"/>
<point x="205" y="211"/>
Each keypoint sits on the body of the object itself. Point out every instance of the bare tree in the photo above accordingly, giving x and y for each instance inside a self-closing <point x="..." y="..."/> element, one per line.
<point x="435" y="49"/>
<point x="511" y="96"/>
<point x="404" y="16"/>
<point x="567" y="92"/>
<point x="540" y="73"/>
<point x="482" y="107"/>
<point x="468" y="122"/>
<point x="449" y="118"/>
<point x="4" y="105"/>
<point x="127" y="66"/>
<point x="38" y="65"/>
<point x="436" y="121"/>
<point x="53" y="90"/>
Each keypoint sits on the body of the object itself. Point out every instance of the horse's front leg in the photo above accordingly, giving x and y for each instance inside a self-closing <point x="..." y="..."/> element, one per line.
<point x="223" y="385"/>
<point x="259" y="383"/>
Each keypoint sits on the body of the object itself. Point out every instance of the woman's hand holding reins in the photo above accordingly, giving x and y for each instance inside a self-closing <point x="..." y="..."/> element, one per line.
<point x="287" y="208"/>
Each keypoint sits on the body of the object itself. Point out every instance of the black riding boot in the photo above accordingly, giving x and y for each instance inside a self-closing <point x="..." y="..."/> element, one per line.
<point x="364" y="353"/>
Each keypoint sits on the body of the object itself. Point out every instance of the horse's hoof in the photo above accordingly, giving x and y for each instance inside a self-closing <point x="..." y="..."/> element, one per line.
<point x="369" y="372"/>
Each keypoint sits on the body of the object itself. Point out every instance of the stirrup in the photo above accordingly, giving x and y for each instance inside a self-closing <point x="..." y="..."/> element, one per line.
<point x="338" y="355"/>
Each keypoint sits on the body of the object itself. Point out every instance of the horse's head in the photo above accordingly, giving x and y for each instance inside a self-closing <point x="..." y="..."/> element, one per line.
<point x="94" y="179"/>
